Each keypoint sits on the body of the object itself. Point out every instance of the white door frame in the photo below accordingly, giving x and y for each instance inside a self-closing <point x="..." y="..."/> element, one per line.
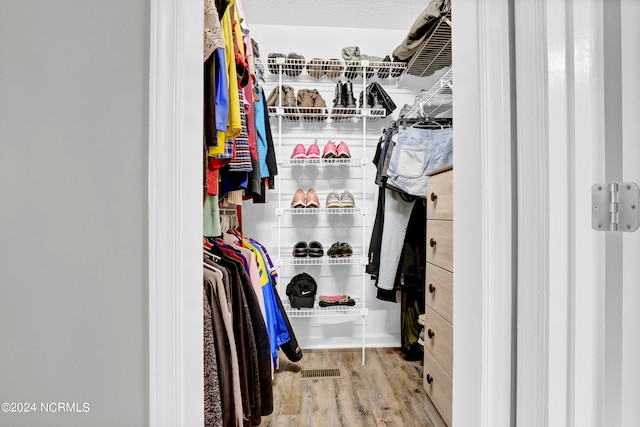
<point x="483" y="215"/>
<point x="482" y="199"/>
<point x="560" y="147"/>
<point x="175" y="217"/>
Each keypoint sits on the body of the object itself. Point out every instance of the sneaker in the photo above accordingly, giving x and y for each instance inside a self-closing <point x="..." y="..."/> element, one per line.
<point x="329" y="151"/>
<point x="313" y="152"/>
<point x="272" y="65"/>
<point x="334" y="68"/>
<point x="343" y="150"/>
<point x="333" y="200"/>
<point x="316" y="68"/>
<point x="311" y="199"/>
<point x="346" y="200"/>
<point x="294" y="64"/>
<point x="299" y="199"/>
<point x="299" y="152"/>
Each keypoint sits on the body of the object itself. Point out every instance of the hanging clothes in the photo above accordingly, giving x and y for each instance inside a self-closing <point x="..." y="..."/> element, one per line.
<point x="404" y="155"/>
<point x="212" y="395"/>
<point x="243" y="321"/>
<point x="227" y="355"/>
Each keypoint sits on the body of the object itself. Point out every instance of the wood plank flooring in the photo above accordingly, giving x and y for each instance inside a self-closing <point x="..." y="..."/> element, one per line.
<point x="385" y="392"/>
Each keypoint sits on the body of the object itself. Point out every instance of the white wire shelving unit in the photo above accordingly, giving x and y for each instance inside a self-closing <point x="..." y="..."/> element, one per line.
<point x="289" y="71"/>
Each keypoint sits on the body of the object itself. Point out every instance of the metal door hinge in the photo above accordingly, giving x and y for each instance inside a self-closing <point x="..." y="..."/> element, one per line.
<point x="614" y="206"/>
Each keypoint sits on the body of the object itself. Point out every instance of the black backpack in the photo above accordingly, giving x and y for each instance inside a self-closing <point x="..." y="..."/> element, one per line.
<point x="301" y="291"/>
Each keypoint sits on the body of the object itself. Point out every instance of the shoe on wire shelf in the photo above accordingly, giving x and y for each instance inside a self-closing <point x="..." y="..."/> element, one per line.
<point x="330" y="151"/>
<point x="333" y="200"/>
<point x="299" y="152"/>
<point x="346" y="200"/>
<point x="343" y="151"/>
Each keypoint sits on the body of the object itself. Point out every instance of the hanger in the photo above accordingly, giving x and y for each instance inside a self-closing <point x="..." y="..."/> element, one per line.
<point x="211" y="256"/>
<point x="212" y="269"/>
<point x="433" y="123"/>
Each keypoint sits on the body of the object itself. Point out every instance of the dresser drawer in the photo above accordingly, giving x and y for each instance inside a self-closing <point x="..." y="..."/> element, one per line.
<point x="440" y="200"/>
<point x="440" y="243"/>
<point x="438" y="386"/>
<point x="438" y="339"/>
<point x="439" y="291"/>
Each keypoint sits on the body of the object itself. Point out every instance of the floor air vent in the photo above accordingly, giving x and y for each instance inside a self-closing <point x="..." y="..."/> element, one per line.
<point x="319" y="373"/>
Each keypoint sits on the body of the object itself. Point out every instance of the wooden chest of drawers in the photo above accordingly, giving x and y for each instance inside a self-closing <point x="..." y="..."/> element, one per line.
<point x="438" y="355"/>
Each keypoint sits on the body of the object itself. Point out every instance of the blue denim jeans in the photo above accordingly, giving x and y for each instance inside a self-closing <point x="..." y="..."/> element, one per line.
<point x="416" y="153"/>
<point x="397" y="212"/>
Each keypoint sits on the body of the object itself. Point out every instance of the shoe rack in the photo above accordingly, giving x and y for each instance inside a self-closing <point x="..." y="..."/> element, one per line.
<point x="293" y="72"/>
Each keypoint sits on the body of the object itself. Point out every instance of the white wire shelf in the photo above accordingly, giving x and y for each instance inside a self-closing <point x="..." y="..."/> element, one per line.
<point x="435" y="52"/>
<point x="354" y="259"/>
<point x="317" y="311"/>
<point x="438" y="99"/>
<point x="328" y="114"/>
<point x="330" y="69"/>
<point x="318" y="211"/>
<point x="335" y="161"/>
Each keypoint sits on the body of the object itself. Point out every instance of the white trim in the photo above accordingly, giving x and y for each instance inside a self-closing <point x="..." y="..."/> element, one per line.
<point x="587" y="385"/>
<point x="175" y="224"/>
<point x="533" y="191"/>
<point x="630" y="387"/>
<point x="482" y="283"/>
<point x="497" y="213"/>
<point x="560" y="149"/>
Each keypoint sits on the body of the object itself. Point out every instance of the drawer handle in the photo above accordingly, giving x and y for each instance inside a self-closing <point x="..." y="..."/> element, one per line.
<point x="432" y="242"/>
<point x="434" y="197"/>
<point x="432" y="288"/>
<point x="431" y="334"/>
<point x="429" y="378"/>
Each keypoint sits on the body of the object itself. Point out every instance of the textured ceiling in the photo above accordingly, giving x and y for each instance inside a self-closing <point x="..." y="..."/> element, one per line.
<point x="388" y="14"/>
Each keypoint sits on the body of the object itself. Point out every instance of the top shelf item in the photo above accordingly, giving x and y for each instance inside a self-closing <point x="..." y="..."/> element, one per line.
<point x="435" y="53"/>
<point x="427" y="46"/>
<point x="296" y="66"/>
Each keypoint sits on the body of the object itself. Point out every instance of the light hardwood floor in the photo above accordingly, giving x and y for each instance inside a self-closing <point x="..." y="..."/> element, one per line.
<point x="386" y="391"/>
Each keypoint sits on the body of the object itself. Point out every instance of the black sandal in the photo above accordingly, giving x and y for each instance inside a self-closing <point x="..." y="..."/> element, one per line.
<point x="345" y="249"/>
<point x="315" y="249"/>
<point x="334" y="250"/>
<point x="300" y="250"/>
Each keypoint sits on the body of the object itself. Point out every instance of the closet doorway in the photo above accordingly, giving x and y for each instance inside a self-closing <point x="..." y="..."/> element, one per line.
<point x="483" y="162"/>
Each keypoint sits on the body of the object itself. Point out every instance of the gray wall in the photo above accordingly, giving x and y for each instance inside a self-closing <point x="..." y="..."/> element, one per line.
<point x="73" y="210"/>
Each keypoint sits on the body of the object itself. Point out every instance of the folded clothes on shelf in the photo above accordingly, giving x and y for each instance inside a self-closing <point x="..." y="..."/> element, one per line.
<point x="336" y="300"/>
<point x="333" y="297"/>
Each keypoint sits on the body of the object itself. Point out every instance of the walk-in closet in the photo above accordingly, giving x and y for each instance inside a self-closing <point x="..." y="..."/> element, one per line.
<point x="117" y="290"/>
<point x="338" y="179"/>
